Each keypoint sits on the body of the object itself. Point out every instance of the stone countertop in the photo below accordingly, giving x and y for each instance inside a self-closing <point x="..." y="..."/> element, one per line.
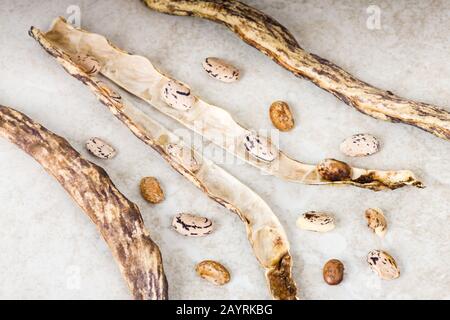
<point x="50" y="249"/>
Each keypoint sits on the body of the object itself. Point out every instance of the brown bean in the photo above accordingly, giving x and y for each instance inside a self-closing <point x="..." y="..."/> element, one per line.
<point x="177" y="95"/>
<point x="281" y="116"/>
<point x="213" y="271"/>
<point x="333" y="272"/>
<point x="334" y="170"/>
<point x="151" y="190"/>
<point x="316" y="221"/>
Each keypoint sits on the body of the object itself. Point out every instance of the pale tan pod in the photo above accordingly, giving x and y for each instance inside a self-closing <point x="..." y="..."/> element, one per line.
<point x="213" y="272"/>
<point x="316" y="221"/>
<point x="138" y="76"/>
<point x="220" y="70"/>
<point x="216" y="183"/>
<point x="383" y="264"/>
<point x="192" y="225"/>
<point x="273" y="39"/>
<point x="108" y="91"/>
<point x="376" y="221"/>
<point x="184" y="156"/>
<point x="100" y="148"/>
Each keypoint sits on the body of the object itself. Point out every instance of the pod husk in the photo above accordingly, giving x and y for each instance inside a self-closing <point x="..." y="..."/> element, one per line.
<point x="274" y="40"/>
<point x="117" y="218"/>
<point x="265" y="233"/>
<point x="137" y="75"/>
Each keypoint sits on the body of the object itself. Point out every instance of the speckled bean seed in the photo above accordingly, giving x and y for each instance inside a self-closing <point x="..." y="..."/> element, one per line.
<point x="177" y="95"/>
<point x="220" y="70"/>
<point x="316" y="221"/>
<point x="191" y="225"/>
<point x="333" y="272"/>
<point x="360" y="145"/>
<point x="100" y="148"/>
<point x="383" y="264"/>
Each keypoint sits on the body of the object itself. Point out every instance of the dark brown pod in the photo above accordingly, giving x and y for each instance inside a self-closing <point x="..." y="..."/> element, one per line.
<point x="333" y="272"/>
<point x="334" y="170"/>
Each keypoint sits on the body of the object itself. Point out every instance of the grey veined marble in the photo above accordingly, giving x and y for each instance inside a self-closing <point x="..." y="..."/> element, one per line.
<point x="49" y="248"/>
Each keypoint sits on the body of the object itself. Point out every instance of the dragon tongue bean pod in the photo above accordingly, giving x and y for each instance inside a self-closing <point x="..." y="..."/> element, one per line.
<point x="265" y="233"/>
<point x="138" y="76"/>
<point x="117" y="219"/>
<point x="151" y="190"/>
<point x="274" y="40"/>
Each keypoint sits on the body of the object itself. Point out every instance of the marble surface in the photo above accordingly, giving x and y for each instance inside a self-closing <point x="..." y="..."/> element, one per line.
<point x="49" y="248"/>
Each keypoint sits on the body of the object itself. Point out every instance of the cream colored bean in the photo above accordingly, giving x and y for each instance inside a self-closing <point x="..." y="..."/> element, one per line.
<point x="260" y="147"/>
<point x="220" y="70"/>
<point x="100" y="148"/>
<point x="316" y="221"/>
<point x="191" y="225"/>
<point x="177" y="95"/>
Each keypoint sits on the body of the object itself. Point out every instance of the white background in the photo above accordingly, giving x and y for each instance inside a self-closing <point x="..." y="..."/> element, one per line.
<point x="50" y="249"/>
